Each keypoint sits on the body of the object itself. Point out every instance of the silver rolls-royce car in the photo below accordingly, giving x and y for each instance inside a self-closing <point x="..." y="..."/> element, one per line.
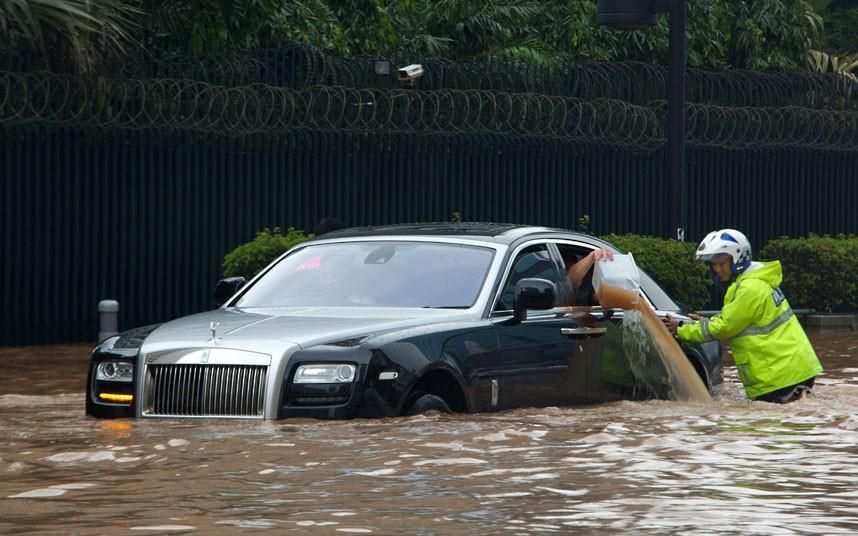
<point x="387" y="321"/>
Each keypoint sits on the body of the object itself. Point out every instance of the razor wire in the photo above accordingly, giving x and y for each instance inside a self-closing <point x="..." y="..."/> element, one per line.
<point x="188" y="105"/>
<point x="191" y="105"/>
<point x="299" y="66"/>
<point x="630" y="81"/>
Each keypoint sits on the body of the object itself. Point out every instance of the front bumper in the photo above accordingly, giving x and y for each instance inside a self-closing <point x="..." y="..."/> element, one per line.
<point x="185" y="396"/>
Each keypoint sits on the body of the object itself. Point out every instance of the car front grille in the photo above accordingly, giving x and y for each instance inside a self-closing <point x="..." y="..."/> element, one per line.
<point x="205" y="390"/>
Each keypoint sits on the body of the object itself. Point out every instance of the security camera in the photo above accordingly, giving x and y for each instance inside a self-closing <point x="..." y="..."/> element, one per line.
<point x="410" y="73"/>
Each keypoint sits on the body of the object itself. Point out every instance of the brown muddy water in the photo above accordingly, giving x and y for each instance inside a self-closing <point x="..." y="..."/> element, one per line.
<point x="727" y="466"/>
<point x="685" y="383"/>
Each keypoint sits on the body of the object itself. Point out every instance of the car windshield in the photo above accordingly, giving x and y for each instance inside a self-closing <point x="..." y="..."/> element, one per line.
<point x="374" y="274"/>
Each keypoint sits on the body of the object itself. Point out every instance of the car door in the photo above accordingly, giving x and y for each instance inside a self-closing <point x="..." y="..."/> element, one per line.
<point x="542" y="360"/>
<point x="619" y="367"/>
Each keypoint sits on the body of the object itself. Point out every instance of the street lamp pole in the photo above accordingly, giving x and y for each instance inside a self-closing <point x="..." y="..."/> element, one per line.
<point x="635" y="14"/>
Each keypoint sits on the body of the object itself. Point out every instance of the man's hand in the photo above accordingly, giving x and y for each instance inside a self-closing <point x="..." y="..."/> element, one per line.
<point x="579" y="270"/>
<point x="695" y="316"/>
<point x="603" y="254"/>
<point x="670" y="323"/>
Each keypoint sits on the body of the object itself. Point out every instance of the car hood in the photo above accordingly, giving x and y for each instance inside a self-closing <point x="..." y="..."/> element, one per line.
<point x="244" y="328"/>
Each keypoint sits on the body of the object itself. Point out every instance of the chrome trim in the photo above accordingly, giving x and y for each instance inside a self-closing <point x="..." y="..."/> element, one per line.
<point x="185" y="390"/>
<point x="572" y="332"/>
<point x="211" y="356"/>
<point x="205" y="382"/>
<point x="213" y="329"/>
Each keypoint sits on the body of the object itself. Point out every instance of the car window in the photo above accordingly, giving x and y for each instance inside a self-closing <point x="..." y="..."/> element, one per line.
<point x="585" y="294"/>
<point x="572" y="253"/>
<point x="376" y="274"/>
<point x="533" y="261"/>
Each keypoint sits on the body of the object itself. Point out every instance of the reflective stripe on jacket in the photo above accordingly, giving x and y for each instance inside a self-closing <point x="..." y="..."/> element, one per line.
<point x="769" y="345"/>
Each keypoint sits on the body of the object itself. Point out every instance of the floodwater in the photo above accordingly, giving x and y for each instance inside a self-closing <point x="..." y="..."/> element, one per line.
<point x="726" y="466"/>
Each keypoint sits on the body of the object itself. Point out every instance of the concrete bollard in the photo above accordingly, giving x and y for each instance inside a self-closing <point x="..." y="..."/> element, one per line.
<point x="108" y="312"/>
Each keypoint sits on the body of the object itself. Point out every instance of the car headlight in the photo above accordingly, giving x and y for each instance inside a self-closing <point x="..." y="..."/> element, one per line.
<point x="115" y="371"/>
<point x="332" y="373"/>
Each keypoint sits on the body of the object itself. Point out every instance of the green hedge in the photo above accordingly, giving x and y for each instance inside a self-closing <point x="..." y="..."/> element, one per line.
<point x="671" y="264"/>
<point x="248" y="259"/>
<point x="820" y="272"/>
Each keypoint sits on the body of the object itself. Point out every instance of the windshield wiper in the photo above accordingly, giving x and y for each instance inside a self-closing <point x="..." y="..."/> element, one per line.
<point x="446" y="307"/>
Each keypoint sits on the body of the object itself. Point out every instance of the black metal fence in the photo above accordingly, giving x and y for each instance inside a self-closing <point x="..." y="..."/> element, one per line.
<point x="135" y="189"/>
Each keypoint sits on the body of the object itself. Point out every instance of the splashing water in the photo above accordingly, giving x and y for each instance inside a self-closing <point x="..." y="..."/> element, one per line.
<point x="644" y="335"/>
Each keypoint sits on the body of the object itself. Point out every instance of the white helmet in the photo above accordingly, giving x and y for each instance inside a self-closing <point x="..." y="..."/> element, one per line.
<point x="729" y="241"/>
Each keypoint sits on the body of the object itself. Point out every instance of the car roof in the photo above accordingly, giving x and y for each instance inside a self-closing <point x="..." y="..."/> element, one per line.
<point x="504" y="233"/>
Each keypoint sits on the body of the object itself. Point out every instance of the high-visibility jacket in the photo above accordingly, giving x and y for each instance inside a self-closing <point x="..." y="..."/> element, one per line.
<point x="769" y="345"/>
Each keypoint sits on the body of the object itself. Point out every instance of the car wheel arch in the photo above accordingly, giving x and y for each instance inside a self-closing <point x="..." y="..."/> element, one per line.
<point x="440" y="381"/>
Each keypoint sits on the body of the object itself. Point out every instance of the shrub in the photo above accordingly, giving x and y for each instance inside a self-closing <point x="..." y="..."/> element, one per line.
<point x="249" y="258"/>
<point x="671" y="263"/>
<point x="820" y="272"/>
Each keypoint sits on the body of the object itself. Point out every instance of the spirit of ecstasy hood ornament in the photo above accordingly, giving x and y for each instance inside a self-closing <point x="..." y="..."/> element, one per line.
<point x="213" y="328"/>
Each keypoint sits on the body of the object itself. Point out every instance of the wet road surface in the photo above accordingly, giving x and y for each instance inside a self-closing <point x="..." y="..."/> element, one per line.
<point x="731" y="466"/>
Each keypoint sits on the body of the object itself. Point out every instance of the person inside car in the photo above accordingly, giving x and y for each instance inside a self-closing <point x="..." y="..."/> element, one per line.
<point x="774" y="357"/>
<point x="580" y="274"/>
<point x="337" y="282"/>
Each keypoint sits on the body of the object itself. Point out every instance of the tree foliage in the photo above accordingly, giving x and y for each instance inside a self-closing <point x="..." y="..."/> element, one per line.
<point x="751" y="34"/>
<point x="74" y="31"/>
<point x="841" y="20"/>
<point x="187" y="28"/>
<point x="754" y="34"/>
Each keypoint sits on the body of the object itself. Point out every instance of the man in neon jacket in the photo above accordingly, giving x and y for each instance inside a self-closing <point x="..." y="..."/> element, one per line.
<point x="774" y="357"/>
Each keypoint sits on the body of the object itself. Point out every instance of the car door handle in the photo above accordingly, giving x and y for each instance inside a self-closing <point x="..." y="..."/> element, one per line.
<point x="583" y="332"/>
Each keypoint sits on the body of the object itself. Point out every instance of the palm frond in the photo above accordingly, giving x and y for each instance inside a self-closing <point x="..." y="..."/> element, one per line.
<point x="71" y="20"/>
<point x="429" y="44"/>
<point x="843" y="64"/>
<point x="526" y="55"/>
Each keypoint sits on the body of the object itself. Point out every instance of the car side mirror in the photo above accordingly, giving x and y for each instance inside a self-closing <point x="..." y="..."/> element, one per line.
<point x="225" y="288"/>
<point x="532" y="293"/>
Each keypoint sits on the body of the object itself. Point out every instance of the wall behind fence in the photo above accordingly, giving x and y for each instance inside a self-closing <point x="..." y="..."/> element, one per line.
<point x="146" y="217"/>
